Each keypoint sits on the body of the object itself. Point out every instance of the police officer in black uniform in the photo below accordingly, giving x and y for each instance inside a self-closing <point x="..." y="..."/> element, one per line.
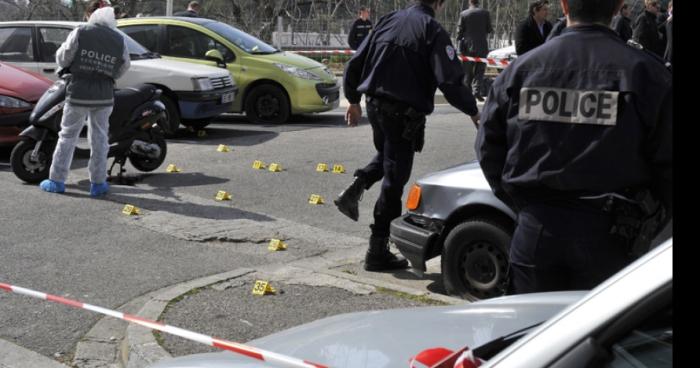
<point x="407" y="57"/>
<point x="571" y="133"/>
<point x="360" y="29"/>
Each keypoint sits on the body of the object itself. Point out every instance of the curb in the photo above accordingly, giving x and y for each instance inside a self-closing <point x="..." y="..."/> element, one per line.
<point x="139" y="347"/>
<point x="15" y="356"/>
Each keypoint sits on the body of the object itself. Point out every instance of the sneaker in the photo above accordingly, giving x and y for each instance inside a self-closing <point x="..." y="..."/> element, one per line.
<point x="52" y="186"/>
<point x="97" y="190"/>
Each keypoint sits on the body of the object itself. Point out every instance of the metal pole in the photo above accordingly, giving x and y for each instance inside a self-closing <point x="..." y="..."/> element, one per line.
<point x="169" y="8"/>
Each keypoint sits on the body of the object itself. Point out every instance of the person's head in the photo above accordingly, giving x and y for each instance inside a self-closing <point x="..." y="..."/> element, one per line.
<point x="103" y="16"/>
<point x="193" y="6"/>
<point x="473" y="3"/>
<point x="652" y="6"/>
<point x="437" y="5"/>
<point x="363" y="13"/>
<point x="591" y="11"/>
<point x="625" y="11"/>
<point x="91" y="7"/>
<point x="539" y="10"/>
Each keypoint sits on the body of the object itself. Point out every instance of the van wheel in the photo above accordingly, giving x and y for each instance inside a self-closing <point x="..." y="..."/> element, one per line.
<point x="475" y="259"/>
<point x="173" y="116"/>
<point x="267" y="104"/>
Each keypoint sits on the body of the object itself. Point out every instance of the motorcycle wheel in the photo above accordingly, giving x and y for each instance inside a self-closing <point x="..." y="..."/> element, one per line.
<point x="25" y="168"/>
<point x="147" y="164"/>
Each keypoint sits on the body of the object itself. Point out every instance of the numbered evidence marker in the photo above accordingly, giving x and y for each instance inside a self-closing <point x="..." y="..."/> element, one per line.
<point x="338" y="169"/>
<point x="262" y="288"/>
<point x="258" y="165"/>
<point x="315" y="199"/>
<point x="223" y="148"/>
<point x="276" y="245"/>
<point x="172" y="169"/>
<point x="223" y="196"/>
<point x="322" y="167"/>
<point x="275" y="167"/>
<point x="131" y="210"/>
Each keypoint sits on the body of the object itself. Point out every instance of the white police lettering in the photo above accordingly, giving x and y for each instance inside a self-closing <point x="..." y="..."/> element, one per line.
<point x="98" y="56"/>
<point x="568" y="105"/>
<point x="450" y="52"/>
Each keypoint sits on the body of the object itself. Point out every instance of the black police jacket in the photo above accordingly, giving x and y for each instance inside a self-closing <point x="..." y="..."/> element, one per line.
<point x="358" y="32"/>
<point x="407" y="56"/>
<point x="583" y="114"/>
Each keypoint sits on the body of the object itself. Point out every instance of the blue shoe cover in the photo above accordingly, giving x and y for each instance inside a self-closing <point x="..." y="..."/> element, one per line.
<point x="97" y="190"/>
<point x="51" y="186"/>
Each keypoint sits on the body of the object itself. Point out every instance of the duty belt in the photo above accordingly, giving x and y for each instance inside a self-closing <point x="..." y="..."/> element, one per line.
<point x="394" y="108"/>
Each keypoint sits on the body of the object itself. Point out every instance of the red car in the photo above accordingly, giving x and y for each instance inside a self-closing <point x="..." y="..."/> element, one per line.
<point x="19" y="92"/>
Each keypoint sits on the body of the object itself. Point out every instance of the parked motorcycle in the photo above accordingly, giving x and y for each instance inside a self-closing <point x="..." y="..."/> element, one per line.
<point x="134" y="131"/>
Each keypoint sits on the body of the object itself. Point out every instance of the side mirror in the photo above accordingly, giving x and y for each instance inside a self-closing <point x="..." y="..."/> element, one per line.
<point x="215" y="55"/>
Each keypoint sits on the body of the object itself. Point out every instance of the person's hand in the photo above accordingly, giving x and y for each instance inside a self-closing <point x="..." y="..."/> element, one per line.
<point x="475" y="119"/>
<point x="353" y="115"/>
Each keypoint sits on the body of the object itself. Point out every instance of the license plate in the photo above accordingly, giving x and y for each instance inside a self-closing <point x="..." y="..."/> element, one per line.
<point x="227" y="98"/>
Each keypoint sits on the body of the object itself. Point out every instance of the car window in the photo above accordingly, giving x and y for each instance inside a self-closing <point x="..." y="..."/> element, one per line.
<point x="16" y="44"/>
<point x="50" y="39"/>
<point x="146" y="35"/>
<point x="241" y="39"/>
<point x="648" y="345"/>
<point x="188" y="43"/>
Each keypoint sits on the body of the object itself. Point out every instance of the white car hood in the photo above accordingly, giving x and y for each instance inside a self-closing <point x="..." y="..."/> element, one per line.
<point x="165" y="66"/>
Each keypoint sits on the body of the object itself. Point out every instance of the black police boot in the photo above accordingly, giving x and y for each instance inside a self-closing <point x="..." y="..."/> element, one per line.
<point x="379" y="258"/>
<point x="348" y="199"/>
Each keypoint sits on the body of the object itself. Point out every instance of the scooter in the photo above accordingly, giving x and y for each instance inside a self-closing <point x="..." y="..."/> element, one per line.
<point x="134" y="131"/>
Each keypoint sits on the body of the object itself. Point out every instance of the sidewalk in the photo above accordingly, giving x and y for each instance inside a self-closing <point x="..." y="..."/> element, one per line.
<point x="15" y="356"/>
<point x="223" y="306"/>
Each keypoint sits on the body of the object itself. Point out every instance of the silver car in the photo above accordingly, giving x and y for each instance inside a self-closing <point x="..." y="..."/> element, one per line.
<point x="624" y="322"/>
<point x="454" y="214"/>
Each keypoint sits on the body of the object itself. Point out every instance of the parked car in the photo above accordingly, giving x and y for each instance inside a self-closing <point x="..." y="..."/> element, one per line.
<point x="624" y="322"/>
<point x="19" y="92"/>
<point x="192" y="94"/>
<point x="273" y="84"/>
<point x="454" y="214"/>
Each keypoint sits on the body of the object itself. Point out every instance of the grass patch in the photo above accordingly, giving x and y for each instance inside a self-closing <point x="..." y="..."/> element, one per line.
<point x="349" y="272"/>
<point x="424" y="299"/>
<point x="159" y="335"/>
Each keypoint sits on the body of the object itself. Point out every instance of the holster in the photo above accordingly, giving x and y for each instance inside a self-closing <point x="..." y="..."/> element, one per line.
<point x="414" y="121"/>
<point x="638" y="222"/>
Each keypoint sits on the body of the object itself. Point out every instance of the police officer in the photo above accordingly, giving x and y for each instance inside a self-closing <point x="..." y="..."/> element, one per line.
<point x="96" y="54"/>
<point x="360" y="29"/>
<point x="407" y="57"/>
<point x="570" y="132"/>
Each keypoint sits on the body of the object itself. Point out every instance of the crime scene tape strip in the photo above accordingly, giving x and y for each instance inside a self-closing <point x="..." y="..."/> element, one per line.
<point x="489" y="61"/>
<point x="274" y="359"/>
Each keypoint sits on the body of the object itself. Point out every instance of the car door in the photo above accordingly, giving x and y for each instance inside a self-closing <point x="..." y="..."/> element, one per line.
<point x="189" y="45"/>
<point x="49" y="39"/>
<point x="18" y="47"/>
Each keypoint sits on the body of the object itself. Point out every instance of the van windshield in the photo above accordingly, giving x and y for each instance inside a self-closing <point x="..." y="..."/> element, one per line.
<point x="241" y="39"/>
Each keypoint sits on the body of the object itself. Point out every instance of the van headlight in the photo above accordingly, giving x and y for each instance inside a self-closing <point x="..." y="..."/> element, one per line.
<point x="202" y="84"/>
<point x="297" y="72"/>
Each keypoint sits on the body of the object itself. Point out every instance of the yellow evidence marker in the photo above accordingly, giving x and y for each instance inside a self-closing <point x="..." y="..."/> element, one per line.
<point x="316" y="199"/>
<point x="131" y="210"/>
<point x="338" y="169"/>
<point x="223" y="196"/>
<point x="263" y="288"/>
<point x="275" y="167"/>
<point x="201" y="133"/>
<point x="276" y="245"/>
<point x="258" y="165"/>
<point x="223" y="148"/>
<point x="322" y="167"/>
<point x="173" y="169"/>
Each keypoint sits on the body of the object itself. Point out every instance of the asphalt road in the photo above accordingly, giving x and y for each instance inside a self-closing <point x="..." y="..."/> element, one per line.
<point x="75" y="246"/>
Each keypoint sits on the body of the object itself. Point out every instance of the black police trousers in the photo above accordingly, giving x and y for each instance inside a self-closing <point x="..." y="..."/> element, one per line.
<point x="474" y="77"/>
<point x="393" y="163"/>
<point x="557" y="248"/>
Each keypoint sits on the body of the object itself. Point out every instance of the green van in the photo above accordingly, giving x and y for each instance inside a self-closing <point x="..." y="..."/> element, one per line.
<point x="273" y="84"/>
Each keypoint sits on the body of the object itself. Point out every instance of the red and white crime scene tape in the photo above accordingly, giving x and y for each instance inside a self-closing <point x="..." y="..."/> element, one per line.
<point x="502" y="63"/>
<point x="274" y="359"/>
